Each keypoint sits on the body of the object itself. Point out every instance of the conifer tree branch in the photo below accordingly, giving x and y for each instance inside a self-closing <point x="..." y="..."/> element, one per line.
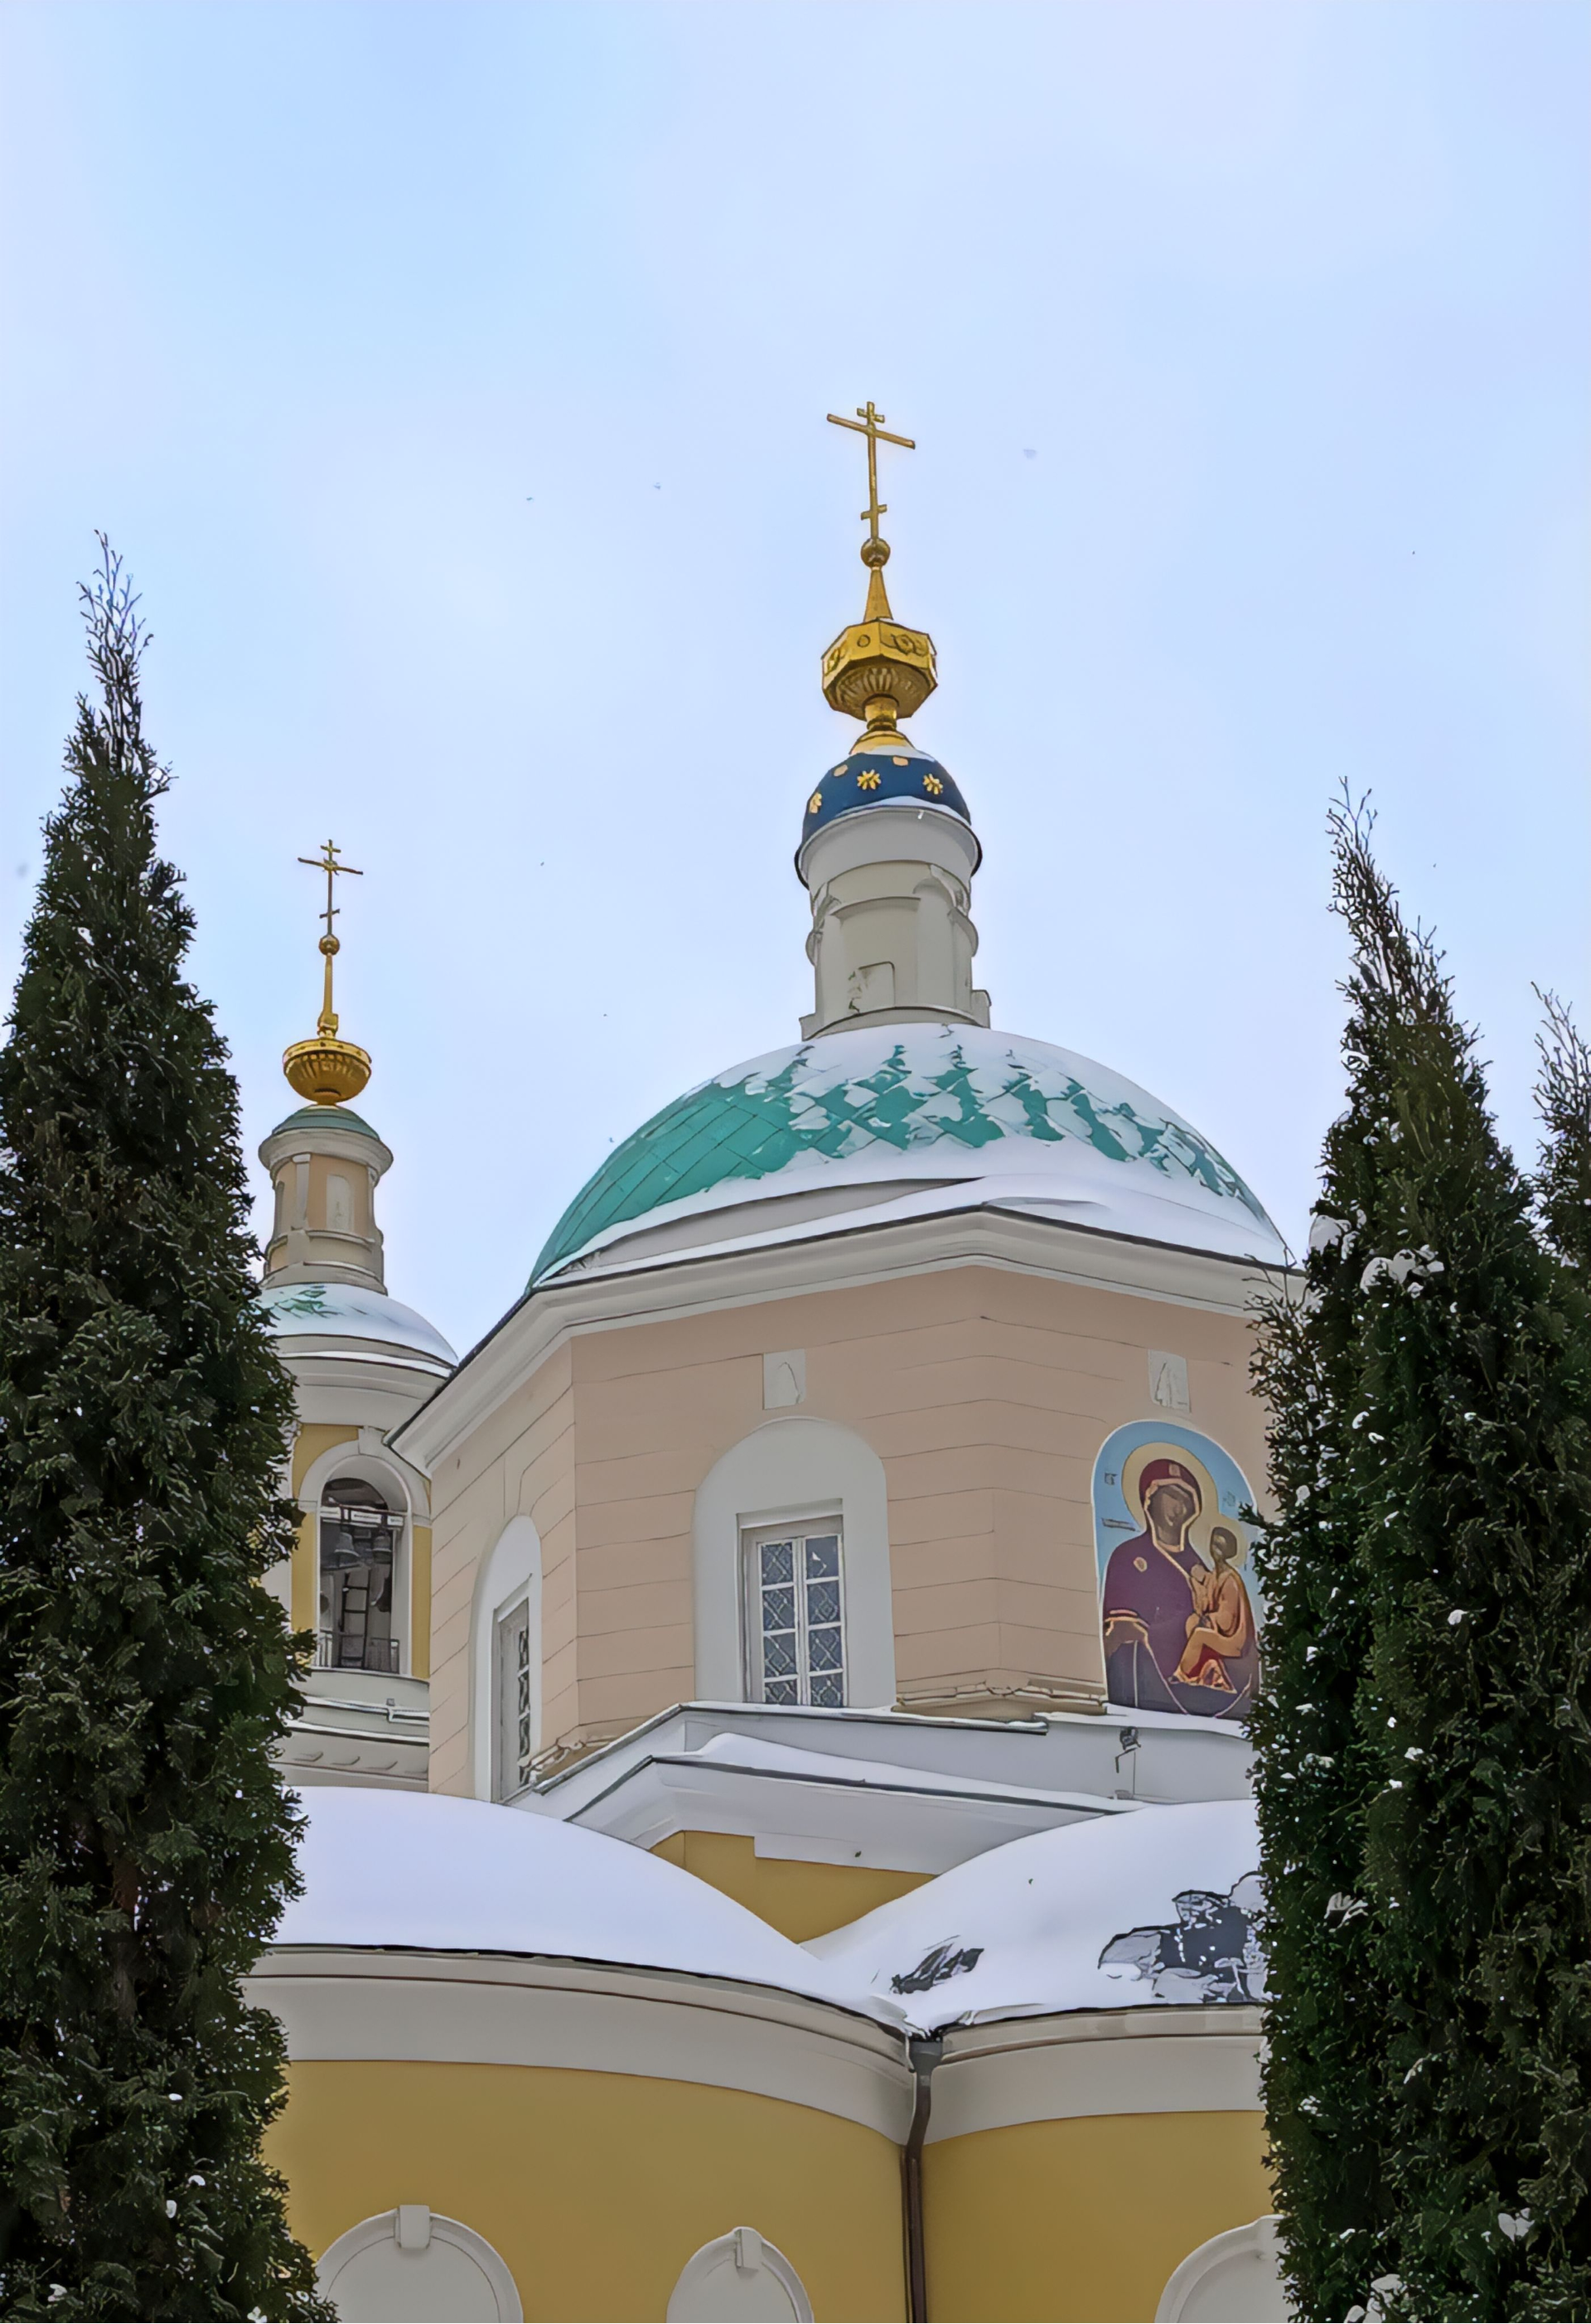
<point x="1563" y="1100"/>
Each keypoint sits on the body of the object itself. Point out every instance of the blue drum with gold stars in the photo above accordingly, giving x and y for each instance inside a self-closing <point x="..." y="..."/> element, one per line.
<point x="893" y="778"/>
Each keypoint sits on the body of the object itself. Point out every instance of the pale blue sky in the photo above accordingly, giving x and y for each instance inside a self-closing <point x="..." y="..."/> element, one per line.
<point x="453" y="379"/>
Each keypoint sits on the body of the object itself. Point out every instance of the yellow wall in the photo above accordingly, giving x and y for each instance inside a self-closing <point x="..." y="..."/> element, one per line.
<point x="800" y="1900"/>
<point x="595" y="2187"/>
<point x="1086" y="2218"/>
<point x="314" y="1438"/>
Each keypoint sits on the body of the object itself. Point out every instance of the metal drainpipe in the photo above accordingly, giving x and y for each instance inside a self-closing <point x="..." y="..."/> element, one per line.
<point x="925" y="2050"/>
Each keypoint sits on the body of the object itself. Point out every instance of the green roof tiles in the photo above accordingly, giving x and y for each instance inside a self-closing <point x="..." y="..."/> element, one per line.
<point x="899" y="1088"/>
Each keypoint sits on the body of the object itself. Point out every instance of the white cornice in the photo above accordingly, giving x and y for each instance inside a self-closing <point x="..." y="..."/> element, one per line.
<point x="495" y="2009"/>
<point x="546" y="1318"/>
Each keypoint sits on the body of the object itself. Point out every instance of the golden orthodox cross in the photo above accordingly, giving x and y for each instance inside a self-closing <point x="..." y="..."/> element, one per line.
<point x="869" y="423"/>
<point x="328" y="865"/>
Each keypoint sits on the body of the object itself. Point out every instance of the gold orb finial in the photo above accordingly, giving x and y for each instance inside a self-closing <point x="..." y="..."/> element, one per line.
<point x="877" y="669"/>
<point x="324" y="1069"/>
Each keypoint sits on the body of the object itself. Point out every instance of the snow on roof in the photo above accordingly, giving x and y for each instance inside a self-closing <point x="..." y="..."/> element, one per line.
<point x="431" y="1873"/>
<point x="349" y="1311"/>
<point x="750" y="1752"/>
<point x="1157" y="1906"/>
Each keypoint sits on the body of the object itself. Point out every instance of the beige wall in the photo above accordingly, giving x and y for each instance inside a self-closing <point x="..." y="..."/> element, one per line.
<point x="985" y="1393"/>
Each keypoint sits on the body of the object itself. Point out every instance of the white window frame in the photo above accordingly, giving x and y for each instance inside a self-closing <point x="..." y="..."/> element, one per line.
<point x="513" y="1698"/>
<point x="798" y="1531"/>
<point x="507" y="1575"/>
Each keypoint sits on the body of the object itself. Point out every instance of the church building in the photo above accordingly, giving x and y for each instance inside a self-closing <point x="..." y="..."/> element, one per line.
<point x="778" y="1829"/>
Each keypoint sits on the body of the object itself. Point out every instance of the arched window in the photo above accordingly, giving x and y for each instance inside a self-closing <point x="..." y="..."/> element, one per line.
<point x="414" y="2266"/>
<point x="793" y="1600"/>
<point x="1235" y="2278"/>
<point x="506" y="1658"/>
<point x="740" y="2278"/>
<point x="361" y="1540"/>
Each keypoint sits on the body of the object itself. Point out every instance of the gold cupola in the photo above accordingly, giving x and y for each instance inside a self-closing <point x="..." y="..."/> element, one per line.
<point x="877" y="669"/>
<point x="324" y="1069"/>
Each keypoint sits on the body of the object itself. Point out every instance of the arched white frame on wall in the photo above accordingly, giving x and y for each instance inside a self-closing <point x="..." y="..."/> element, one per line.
<point x="740" y="2278"/>
<point x="413" y="2266"/>
<point x="792" y="1469"/>
<point x="347" y="1460"/>
<point x="1235" y="2278"/>
<point x="509" y="1577"/>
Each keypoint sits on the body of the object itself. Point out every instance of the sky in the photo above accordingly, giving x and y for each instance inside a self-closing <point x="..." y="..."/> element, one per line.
<point x="452" y="378"/>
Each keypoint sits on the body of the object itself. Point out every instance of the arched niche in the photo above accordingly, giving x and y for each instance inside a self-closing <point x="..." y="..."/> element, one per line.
<point x="412" y="2265"/>
<point x="1235" y="2278"/>
<point x="391" y="1486"/>
<point x="509" y="1577"/>
<point x="740" y="2278"/>
<point x="793" y="1468"/>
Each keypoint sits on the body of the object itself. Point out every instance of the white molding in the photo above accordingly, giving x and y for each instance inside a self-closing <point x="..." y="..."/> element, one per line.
<point x="544" y="1320"/>
<point x="511" y="1570"/>
<point x="405" y="2225"/>
<point x="793" y="1467"/>
<point x="1246" y="2260"/>
<point x="497" y="2009"/>
<point x="1155" y="2059"/>
<point x="722" y="2280"/>
<point x="919" y="1824"/>
<point x="347" y="1460"/>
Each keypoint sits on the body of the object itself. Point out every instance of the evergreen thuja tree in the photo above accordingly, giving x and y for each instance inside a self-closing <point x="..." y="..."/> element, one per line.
<point x="1563" y="1181"/>
<point x="1325" y="2023"/>
<point x="146" y="1845"/>
<point x="1315" y="1774"/>
<point x="1470" y="1447"/>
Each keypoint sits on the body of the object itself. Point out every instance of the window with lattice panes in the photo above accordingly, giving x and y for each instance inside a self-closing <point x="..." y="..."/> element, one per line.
<point x="516" y="1740"/>
<point x="796" y="1613"/>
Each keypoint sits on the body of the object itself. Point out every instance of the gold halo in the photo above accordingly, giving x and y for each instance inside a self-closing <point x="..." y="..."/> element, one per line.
<point x="1209" y="1509"/>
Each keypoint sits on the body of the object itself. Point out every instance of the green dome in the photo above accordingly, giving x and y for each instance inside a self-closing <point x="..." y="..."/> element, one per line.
<point x="913" y="1117"/>
<point x="319" y="1117"/>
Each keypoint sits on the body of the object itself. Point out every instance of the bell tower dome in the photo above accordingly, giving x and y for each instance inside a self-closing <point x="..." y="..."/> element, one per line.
<point x="887" y="849"/>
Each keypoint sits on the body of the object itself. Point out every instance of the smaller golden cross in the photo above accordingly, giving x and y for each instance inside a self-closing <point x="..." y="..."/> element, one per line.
<point x="328" y="863"/>
<point x="869" y="423"/>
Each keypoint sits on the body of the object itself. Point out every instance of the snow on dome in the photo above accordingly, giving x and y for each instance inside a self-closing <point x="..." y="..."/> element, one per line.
<point x="432" y="1873"/>
<point x="1125" y="1911"/>
<point x="902" y="1121"/>
<point x="348" y="1311"/>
